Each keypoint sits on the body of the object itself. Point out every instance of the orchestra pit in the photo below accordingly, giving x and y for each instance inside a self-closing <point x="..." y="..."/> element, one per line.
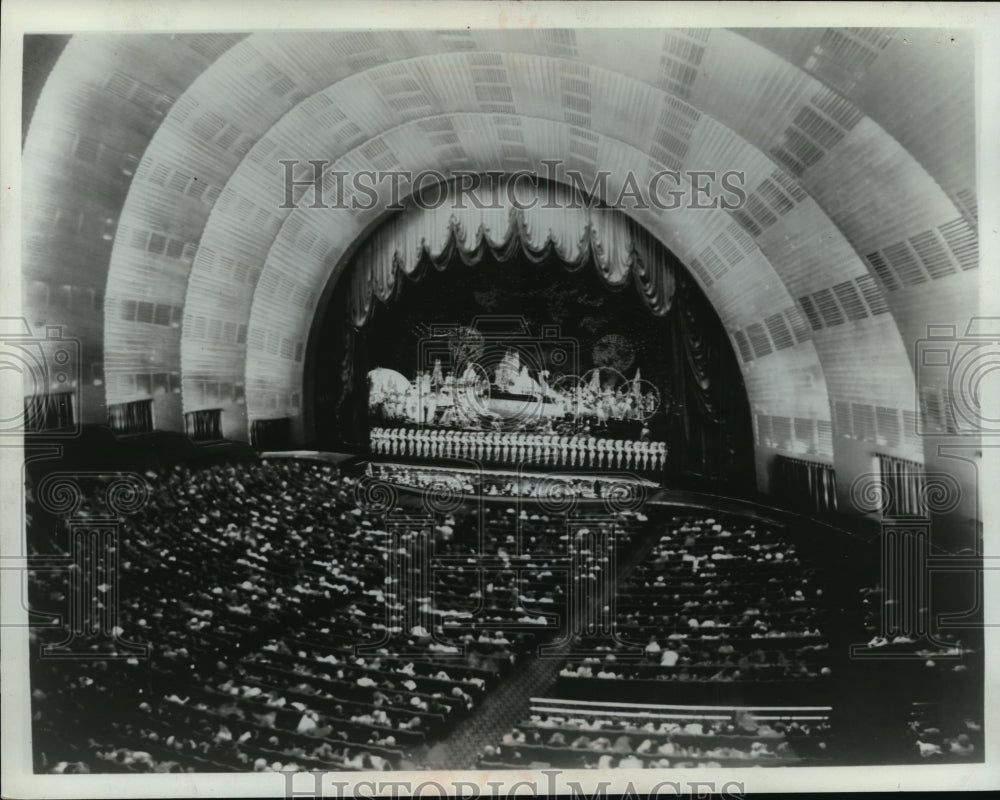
<point x="551" y="481"/>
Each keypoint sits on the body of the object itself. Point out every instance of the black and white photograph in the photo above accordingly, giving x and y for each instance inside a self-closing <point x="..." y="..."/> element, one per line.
<point x="514" y="398"/>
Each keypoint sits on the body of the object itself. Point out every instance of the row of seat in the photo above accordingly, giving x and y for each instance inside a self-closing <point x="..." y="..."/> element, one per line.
<point x="571" y="734"/>
<point x="284" y="629"/>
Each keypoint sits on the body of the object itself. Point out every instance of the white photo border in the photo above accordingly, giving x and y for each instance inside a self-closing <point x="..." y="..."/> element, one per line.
<point x="82" y="16"/>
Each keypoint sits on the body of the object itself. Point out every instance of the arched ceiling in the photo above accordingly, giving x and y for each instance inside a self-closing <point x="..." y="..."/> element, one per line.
<point x="857" y="152"/>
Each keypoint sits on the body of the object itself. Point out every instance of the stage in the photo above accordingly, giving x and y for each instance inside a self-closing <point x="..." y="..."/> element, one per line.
<point x="622" y="487"/>
<point x="326" y="457"/>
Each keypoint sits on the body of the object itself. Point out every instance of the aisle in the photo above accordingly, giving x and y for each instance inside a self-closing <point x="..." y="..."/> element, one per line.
<point x="510" y="702"/>
<point x="502" y="709"/>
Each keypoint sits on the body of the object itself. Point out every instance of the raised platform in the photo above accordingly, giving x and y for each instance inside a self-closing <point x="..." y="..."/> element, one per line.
<point x="624" y="485"/>
<point x="557" y="489"/>
<point x="655" y="492"/>
<point x="324" y="457"/>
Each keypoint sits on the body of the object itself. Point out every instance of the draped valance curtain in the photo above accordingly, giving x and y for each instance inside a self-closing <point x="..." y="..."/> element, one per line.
<point x="558" y="224"/>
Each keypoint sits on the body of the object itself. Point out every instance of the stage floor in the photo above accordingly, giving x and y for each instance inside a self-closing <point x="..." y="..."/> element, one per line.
<point x="655" y="493"/>
<point x="312" y="455"/>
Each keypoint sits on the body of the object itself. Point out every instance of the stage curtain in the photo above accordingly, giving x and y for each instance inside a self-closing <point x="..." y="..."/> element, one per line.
<point x="701" y="354"/>
<point x="362" y="299"/>
<point x="204" y="425"/>
<point x="703" y="411"/>
<point x="903" y="487"/>
<point x="558" y="225"/>
<point x="807" y="485"/>
<point x="132" y="417"/>
<point x="654" y="278"/>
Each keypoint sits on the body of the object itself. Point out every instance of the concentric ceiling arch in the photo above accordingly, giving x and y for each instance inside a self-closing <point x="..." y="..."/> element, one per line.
<point x="830" y="267"/>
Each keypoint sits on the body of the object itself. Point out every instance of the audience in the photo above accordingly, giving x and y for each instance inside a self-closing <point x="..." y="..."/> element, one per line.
<point x="943" y="735"/>
<point x="589" y="738"/>
<point x="717" y="601"/>
<point x="290" y="629"/>
<point x="940" y="652"/>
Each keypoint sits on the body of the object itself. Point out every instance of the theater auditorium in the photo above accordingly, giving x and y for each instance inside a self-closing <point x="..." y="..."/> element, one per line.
<point x="501" y="399"/>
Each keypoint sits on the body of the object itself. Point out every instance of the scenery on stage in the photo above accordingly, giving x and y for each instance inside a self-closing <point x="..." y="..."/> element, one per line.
<point x="494" y="386"/>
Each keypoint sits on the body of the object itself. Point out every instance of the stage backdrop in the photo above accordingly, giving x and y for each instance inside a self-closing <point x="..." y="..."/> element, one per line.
<point x="573" y="297"/>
